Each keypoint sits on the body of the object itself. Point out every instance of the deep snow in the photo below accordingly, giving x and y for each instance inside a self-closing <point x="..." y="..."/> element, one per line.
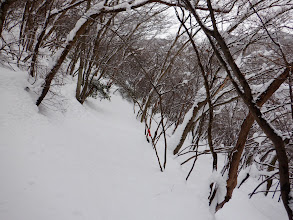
<point x="92" y="162"/>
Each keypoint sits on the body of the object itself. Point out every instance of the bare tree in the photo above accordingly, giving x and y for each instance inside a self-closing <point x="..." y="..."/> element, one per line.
<point x="242" y="87"/>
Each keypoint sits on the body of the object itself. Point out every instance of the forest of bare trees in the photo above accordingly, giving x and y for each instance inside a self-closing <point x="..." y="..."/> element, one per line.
<point x="223" y="78"/>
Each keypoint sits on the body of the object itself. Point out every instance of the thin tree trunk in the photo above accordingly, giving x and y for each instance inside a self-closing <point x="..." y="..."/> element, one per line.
<point x="4" y="6"/>
<point x="79" y="80"/>
<point x="189" y="125"/>
<point x="38" y="44"/>
<point x="271" y="168"/>
<point x="164" y="132"/>
<point x="208" y="94"/>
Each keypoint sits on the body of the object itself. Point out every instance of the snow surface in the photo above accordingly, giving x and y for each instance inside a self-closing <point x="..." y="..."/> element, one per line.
<point x="92" y="162"/>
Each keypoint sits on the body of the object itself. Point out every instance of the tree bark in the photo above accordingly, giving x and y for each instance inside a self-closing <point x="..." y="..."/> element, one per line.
<point x="79" y="80"/>
<point x="189" y="125"/>
<point x="236" y="154"/>
<point x="62" y="57"/>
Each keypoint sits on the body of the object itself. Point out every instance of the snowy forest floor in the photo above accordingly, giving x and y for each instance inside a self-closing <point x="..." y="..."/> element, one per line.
<point x="69" y="161"/>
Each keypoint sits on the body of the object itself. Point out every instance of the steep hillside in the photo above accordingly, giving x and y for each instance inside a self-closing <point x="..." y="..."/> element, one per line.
<point x="68" y="161"/>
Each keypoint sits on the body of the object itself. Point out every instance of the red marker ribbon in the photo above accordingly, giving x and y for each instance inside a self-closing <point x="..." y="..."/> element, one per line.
<point x="149" y="133"/>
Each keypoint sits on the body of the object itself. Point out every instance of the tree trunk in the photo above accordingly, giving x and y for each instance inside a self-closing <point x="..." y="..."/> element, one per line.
<point x="189" y="125"/>
<point x="4" y="6"/>
<point x="79" y="80"/>
<point x="38" y="44"/>
<point x="62" y="57"/>
<point x="236" y="154"/>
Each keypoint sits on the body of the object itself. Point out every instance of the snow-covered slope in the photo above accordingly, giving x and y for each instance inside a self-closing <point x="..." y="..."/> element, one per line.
<point x="91" y="162"/>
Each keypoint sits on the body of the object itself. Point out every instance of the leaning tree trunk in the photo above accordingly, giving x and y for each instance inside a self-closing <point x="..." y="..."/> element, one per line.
<point x="277" y="140"/>
<point x="246" y="96"/>
<point x="80" y="30"/>
<point x="244" y="91"/>
<point x="235" y="157"/>
<point x="190" y="123"/>
<point x="38" y="44"/>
